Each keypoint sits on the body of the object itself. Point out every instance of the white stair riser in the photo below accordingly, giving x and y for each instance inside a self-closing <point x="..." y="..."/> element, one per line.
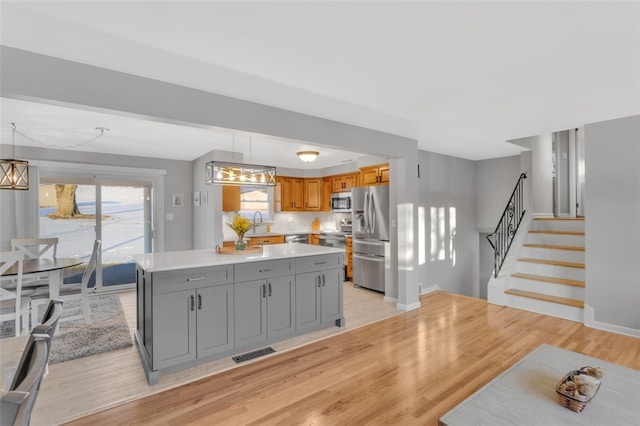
<point x="551" y="271"/>
<point x="556" y="239"/>
<point x="553" y="254"/>
<point x="559" y="225"/>
<point x="560" y="290"/>
<point x="547" y="308"/>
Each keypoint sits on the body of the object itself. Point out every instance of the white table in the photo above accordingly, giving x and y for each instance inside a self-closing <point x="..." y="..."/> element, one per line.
<point x="525" y="394"/>
<point x="53" y="267"/>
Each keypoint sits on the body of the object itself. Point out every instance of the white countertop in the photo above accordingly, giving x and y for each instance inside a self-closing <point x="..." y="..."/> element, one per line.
<point x="172" y="260"/>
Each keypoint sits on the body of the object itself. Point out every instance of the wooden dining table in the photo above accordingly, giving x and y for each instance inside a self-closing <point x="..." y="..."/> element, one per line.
<point x="53" y="267"/>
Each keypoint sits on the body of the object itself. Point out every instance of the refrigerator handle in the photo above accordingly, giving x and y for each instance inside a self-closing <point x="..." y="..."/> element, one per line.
<point x="372" y="214"/>
<point x="366" y="212"/>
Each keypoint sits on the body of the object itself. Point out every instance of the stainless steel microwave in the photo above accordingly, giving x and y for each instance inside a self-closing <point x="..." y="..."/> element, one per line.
<point x="341" y="202"/>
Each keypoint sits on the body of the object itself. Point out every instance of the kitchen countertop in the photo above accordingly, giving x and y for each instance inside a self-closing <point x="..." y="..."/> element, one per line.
<point x="232" y="237"/>
<point x="185" y="259"/>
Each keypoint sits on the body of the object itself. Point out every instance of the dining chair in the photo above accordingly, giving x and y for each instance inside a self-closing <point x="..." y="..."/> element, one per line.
<point x="13" y="408"/>
<point x="28" y="377"/>
<point x="36" y="248"/>
<point x="14" y="305"/>
<point x="73" y="291"/>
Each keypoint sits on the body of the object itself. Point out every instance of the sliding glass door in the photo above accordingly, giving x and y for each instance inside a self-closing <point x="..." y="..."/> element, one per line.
<point x="125" y="228"/>
<point x="80" y="209"/>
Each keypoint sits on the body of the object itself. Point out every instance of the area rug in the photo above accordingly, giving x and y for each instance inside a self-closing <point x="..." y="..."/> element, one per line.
<point x="75" y="339"/>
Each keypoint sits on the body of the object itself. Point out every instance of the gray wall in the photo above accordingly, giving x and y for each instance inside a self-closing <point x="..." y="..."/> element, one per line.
<point x="30" y="76"/>
<point x="448" y="183"/>
<point x="494" y="182"/>
<point x="177" y="180"/>
<point x="540" y="174"/>
<point x="613" y="222"/>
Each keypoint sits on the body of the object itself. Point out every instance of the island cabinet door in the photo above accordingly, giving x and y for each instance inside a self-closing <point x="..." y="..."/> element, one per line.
<point x="214" y="307"/>
<point x="307" y="300"/>
<point x="250" y="312"/>
<point x="331" y="301"/>
<point x="174" y="328"/>
<point x="280" y="306"/>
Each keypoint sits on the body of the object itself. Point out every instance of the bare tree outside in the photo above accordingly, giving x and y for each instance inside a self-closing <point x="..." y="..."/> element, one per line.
<point x="66" y="205"/>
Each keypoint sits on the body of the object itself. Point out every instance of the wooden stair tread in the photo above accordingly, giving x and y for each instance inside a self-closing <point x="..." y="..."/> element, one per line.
<point x="553" y="280"/>
<point x="552" y="262"/>
<point x="543" y="231"/>
<point x="554" y="247"/>
<point x="546" y="297"/>
<point x="557" y="218"/>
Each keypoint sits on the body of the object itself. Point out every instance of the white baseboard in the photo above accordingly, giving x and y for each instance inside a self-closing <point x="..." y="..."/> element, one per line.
<point x="427" y="290"/>
<point x="390" y="299"/>
<point x="590" y="321"/>
<point x="542" y="214"/>
<point x="407" y="308"/>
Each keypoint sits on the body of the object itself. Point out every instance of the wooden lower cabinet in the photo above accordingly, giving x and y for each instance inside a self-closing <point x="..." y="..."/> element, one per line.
<point x="262" y="240"/>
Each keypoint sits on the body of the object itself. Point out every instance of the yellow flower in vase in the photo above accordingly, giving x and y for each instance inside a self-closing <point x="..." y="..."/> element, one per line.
<point x="240" y="226"/>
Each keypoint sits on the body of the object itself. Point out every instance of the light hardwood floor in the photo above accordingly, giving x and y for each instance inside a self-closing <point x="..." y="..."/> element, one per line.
<point x="407" y="369"/>
<point x="80" y="387"/>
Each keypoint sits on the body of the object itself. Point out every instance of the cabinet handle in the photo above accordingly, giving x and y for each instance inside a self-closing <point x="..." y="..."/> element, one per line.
<point x="265" y="270"/>
<point x="193" y="302"/>
<point x="323" y="282"/>
<point x="318" y="281"/>
<point x="195" y="279"/>
<point x="269" y="289"/>
<point x="199" y="301"/>
<point x="320" y="263"/>
<point x="264" y="290"/>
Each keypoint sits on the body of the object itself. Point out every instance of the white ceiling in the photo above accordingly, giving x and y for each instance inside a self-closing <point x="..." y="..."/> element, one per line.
<point x="460" y="77"/>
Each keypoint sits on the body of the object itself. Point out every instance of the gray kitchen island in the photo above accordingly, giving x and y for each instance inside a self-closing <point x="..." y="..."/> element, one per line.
<point x="195" y="306"/>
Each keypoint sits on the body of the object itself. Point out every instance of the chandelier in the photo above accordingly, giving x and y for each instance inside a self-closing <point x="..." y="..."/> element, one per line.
<point x="219" y="172"/>
<point x="14" y="174"/>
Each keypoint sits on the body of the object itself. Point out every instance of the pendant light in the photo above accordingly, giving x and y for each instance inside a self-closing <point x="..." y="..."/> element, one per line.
<point x="14" y="174"/>
<point x="227" y="173"/>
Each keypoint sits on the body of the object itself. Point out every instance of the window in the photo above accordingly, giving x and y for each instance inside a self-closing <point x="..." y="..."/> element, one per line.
<point x="257" y="199"/>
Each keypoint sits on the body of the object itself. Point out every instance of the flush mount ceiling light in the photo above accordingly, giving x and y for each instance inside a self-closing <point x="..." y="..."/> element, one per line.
<point x="307" y="156"/>
<point x="14" y="174"/>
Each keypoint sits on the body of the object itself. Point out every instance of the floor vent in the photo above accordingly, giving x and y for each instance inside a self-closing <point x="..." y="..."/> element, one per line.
<point x="251" y="355"/>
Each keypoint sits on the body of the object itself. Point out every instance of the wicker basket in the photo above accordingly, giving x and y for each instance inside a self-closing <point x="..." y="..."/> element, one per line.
<point x="570" y="401"/>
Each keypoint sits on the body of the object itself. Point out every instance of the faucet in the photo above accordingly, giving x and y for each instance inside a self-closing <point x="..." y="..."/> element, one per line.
<point x="255" y="225"/>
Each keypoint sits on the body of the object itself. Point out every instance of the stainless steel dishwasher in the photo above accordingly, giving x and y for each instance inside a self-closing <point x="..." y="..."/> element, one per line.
<point x="297" y="238"/>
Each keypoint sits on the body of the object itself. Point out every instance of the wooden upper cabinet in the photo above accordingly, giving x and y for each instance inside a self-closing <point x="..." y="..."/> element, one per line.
<point x="326" y="194"/>
<point x="313" y="194"/>
<point x="230" y="198"/>
<point x="374" y="175"/>
<point x="343" y="183"/>
<point x="291" y="193"/>
<point x="297" y="195"/>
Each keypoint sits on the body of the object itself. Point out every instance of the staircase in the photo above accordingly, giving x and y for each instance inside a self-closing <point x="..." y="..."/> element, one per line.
<point x="549" y="272"/>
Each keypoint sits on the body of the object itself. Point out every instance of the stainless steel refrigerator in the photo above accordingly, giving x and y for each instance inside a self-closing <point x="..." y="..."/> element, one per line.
<point x="370" y="217"/>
